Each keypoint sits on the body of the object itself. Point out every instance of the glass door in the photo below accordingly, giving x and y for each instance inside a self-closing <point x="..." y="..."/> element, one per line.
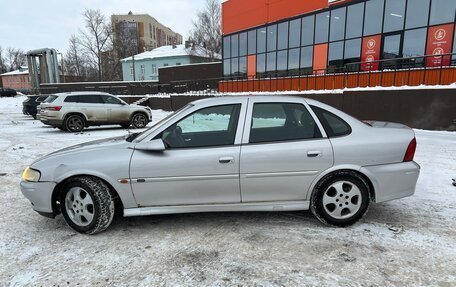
<point x="391" y="50"/>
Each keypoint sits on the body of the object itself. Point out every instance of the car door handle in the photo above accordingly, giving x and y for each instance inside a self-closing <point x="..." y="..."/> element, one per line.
<point x="227" y="159"/>
<point x="314" y="153"/>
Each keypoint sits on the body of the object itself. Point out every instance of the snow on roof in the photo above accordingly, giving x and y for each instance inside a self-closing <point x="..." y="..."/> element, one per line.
<point x="169" y="51"/>
<point x="17" y="72"/>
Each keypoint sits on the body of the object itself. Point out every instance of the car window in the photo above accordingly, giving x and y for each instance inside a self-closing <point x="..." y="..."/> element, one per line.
<point x="333" y="125"/>
<point x="50" y="99"/>
<point x="90" y="99"/>
<point x="213" y="126"/>
<point x="274" y="122"/>
<point x="268" y="115"/>
<point x="40" y="99"/>
<point x="71" y="99"/>
<point x="111" y="100"/>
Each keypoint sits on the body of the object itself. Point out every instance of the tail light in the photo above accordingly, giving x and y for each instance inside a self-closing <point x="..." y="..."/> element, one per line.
<point x="56" y="108"/>
<point x="410" y="153"/>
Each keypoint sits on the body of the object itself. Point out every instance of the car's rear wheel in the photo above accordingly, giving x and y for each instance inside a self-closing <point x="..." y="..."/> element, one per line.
<point x="139" y="120"/>
<point x="340" y="199"/>
<point x="74" y="123"/>
<point x="87" y="204"/>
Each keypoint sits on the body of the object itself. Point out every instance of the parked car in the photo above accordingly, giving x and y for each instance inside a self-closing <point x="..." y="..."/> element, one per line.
<point x="253" y="153"/>
<point x="4" y="92"/>
<point x="77" y="110"/>
<point x="30" y="105"/>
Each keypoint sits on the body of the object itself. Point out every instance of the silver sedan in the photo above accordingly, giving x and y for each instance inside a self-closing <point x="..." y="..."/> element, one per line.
<point x="257" y="153"/>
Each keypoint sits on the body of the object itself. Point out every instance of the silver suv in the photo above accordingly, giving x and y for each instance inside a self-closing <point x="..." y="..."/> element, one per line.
<point x="76" y="110"/>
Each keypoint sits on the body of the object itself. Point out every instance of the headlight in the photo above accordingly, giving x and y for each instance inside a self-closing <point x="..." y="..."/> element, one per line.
<point x="30" y="175"/>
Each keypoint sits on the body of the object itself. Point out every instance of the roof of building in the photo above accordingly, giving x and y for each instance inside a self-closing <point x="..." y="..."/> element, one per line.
<point x="172" y="51"/>
<point x="21" y="71"/>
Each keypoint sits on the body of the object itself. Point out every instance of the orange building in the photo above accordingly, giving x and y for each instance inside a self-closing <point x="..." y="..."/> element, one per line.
<point x="290" y="38"/>
<point x="17" y="80"/>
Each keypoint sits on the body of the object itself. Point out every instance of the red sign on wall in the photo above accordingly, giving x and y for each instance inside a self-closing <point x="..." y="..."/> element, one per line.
<point x="370" y="52"/>
<point x="439" y="43"/>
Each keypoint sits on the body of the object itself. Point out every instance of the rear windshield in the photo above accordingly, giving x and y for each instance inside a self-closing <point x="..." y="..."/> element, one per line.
<point x="50" y="99"/>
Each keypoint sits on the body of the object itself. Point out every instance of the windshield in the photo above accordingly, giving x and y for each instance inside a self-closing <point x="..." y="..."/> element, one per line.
<point x="140" y="136"/>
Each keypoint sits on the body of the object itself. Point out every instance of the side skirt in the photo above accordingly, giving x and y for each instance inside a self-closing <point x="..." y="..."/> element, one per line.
<point x="232" y="207"/>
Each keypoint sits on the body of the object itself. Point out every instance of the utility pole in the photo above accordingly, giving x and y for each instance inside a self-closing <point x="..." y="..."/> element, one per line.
<point x="134" y="70"/>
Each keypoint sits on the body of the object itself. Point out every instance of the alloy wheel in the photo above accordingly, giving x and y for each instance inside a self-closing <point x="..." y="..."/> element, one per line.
<point x="342" y="199"/>
<point x="79" y="206"/>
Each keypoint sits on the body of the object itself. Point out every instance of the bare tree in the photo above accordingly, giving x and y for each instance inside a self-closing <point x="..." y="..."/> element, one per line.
<point x="15" y="58"/>
<point x="95" y="38"/>
<point x="207" y="28"/>
<point x="3" y="68"/>
<point x="75" y="60"/>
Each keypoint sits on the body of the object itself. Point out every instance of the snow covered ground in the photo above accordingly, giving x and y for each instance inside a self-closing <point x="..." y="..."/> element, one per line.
<point x="409" y="242"/>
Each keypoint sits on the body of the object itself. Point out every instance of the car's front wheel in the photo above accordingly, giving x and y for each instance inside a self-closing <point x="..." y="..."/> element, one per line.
<point x="340" y="199"/>
<point x="87" y="204"/>
<point x="74" y="123"/>
<point x="139" y="120"/>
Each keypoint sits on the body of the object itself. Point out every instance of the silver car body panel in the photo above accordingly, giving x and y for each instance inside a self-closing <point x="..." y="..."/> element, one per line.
<point x="78" y="160"/>
<point x="203" y="175"/>
<point x="257" y="177"/>
<point x="39" y="194"/>
<point x="235" y="207"/>
<point x="394" y="181"/>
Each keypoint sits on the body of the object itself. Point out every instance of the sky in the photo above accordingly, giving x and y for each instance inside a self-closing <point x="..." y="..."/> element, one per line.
<point x="33" y="24"/>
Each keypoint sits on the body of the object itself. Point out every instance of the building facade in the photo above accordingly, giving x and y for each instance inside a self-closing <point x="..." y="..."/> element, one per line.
<point x="143" y="32"/>
<point x="287" y="37"/>
<point x="17" y="80"/>
<point x="144" y="66"/>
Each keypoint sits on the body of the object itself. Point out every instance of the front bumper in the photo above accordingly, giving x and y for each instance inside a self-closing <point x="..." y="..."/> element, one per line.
<point x="40" y="195"/>
<point x="393" y="181"/>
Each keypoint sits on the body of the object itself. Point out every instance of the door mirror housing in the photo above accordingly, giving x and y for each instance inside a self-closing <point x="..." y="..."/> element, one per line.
<point x="153" y="145"/>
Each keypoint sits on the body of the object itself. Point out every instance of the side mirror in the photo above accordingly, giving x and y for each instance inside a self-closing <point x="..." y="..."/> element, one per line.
<point x="153" y="145"/>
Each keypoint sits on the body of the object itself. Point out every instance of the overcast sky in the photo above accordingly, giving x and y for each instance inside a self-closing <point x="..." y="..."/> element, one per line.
<point x="33" y="24"/>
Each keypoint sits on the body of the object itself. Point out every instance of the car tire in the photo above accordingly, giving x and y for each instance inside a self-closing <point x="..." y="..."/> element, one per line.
<point x="340" y="199"/>
<point x="87" y="204"/>
<point x="139" y="121"/>
<point x="74" y="123"/>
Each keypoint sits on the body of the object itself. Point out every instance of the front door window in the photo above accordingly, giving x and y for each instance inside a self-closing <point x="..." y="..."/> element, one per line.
<point x="213" y="126"/>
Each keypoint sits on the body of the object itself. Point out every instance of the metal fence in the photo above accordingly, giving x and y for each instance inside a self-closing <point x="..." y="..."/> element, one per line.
<point x="411" y="71"/>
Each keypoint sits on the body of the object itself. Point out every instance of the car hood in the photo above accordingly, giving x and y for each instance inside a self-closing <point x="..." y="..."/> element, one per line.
<point x="109" y="143"/>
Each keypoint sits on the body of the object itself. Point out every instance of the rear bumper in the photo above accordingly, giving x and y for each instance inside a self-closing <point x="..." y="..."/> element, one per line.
<point x="39" y="194"/>
<point x="51" y="122"/>
<point x="393" y="181"/>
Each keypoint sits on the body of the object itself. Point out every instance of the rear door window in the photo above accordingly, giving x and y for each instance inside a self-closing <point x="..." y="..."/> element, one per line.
<point x="91" y="99"/>
<point x="333" y="125"/>
<point x="111" y="100"/>
<point x="275" y="122"/>
<point x="71" y="99"/>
